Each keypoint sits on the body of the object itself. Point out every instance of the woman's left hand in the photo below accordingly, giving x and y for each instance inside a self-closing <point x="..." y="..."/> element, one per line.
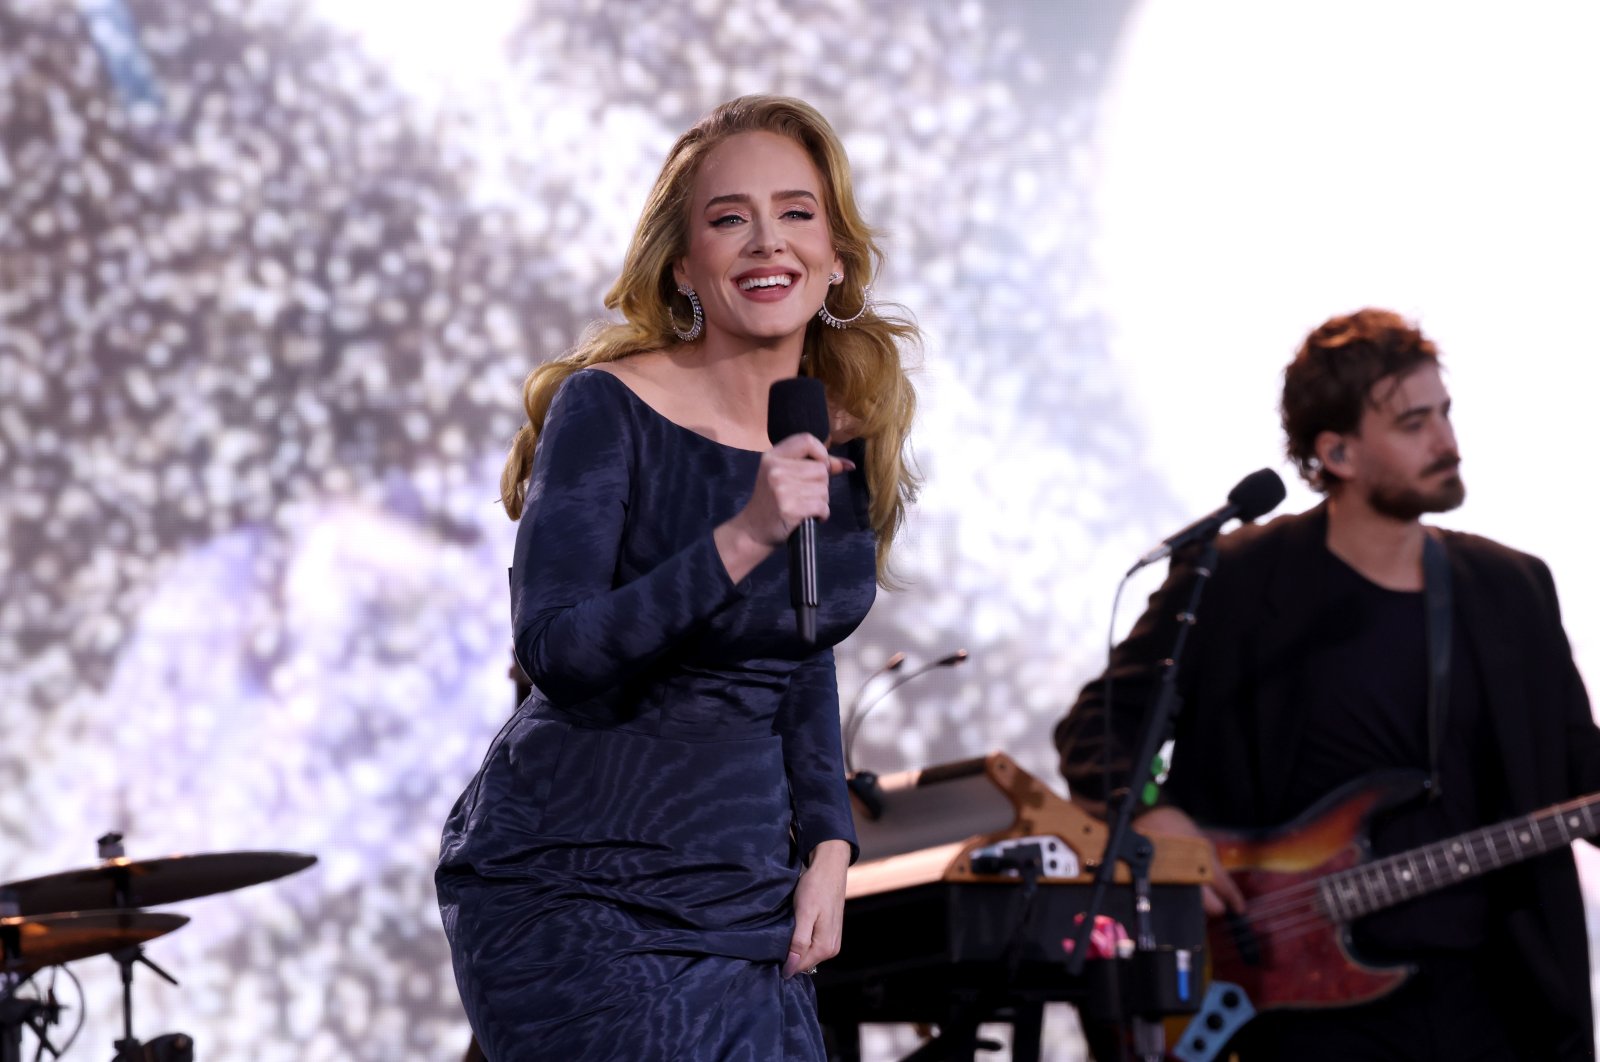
<point x="818" y="908"/>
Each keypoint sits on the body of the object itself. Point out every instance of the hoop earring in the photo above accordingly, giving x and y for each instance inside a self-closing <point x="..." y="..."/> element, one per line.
<point x="692" y="333"/>
<point x="845" y="322"/>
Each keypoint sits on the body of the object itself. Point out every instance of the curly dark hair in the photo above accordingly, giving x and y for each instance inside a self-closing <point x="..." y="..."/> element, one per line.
<point x="1331" y="379"/>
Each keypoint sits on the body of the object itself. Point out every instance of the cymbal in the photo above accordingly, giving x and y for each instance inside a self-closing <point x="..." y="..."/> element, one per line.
<point x="32" y="943"/>
<point x="123" y="882"/>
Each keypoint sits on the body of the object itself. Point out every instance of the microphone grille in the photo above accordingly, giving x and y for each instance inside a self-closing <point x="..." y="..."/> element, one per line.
<point x="797" y="404"/>
<point x="1257" y="494"/>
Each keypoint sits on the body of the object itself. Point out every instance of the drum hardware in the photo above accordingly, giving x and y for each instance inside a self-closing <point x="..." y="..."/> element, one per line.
<point x="30" y="943"/>
<point x="19" y="1011"/>
<point x="129" y="1049"/>
<point x="170" y="1047"/>
<point x="63" y="917"/>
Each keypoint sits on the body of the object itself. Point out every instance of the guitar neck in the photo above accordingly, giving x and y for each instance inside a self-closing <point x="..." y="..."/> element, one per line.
<point x="1350" y="894"/>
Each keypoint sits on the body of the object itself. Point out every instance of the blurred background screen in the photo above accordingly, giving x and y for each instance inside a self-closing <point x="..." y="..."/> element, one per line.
<point x="271" y="274"/>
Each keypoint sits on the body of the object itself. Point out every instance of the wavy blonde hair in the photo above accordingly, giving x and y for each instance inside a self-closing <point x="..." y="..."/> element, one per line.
<point x="860" y="366"/>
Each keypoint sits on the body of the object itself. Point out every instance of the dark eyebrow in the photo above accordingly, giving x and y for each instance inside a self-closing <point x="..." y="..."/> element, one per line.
<point x="793" y="193"/>
<point x="1416" y="411"/>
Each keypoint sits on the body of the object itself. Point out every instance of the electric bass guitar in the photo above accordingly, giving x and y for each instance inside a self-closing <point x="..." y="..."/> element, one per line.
<point x="1306" y="882"/>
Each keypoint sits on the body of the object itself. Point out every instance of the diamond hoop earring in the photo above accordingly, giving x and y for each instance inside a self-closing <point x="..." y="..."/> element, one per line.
<point x="692" y="333"/>
<point x="845" y="322"/>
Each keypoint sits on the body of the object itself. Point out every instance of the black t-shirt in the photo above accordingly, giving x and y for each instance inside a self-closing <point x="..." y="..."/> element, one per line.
<point x="1364" y="689"/>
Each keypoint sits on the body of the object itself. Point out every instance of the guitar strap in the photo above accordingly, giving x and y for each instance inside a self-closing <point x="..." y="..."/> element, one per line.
<point x="1437" y="600"/>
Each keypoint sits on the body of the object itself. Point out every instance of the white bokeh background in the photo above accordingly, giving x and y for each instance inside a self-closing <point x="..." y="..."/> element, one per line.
<point x="263" y="315"/>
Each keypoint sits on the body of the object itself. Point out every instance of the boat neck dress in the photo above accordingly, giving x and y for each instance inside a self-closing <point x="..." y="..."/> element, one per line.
<point x="617" y="881"/>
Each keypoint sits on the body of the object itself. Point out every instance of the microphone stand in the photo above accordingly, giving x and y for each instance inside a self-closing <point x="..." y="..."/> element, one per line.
<point x="1123" y="844"/>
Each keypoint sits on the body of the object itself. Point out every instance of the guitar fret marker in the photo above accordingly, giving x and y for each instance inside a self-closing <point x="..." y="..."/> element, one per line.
<point x="1352" y="899"/>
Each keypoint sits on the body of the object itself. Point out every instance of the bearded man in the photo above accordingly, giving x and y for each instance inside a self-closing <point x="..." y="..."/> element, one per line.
<point x="1352" y="639"/>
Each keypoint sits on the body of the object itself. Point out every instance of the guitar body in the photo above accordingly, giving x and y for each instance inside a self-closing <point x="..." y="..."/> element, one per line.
<point x="1305" y="883"/>
<point x="1289" y="952"/>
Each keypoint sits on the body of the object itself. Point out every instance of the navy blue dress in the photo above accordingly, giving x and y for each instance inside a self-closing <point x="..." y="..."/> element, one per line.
<point x="617" y="882"/>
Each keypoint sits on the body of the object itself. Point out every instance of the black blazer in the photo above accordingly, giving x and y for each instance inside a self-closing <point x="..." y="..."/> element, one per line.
<point x="1237" y="730"/>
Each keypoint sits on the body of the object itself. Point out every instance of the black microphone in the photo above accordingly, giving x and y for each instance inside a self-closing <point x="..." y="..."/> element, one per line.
<point x="864" y="784"/>
<point x="1255" y="495"/>
<point x="799" y="405"/>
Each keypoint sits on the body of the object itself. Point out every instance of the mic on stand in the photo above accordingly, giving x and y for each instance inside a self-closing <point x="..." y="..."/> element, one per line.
<point x="894" y="663"/>
<point x="1255" y="495"/>
<point x="798" y="405"/>
<point x="864" y="784"/>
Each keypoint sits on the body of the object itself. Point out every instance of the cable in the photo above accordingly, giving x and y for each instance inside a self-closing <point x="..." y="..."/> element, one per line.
<point x="1106" y="704"/>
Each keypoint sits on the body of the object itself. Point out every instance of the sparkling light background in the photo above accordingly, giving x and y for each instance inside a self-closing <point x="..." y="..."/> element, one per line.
<point x="269" y="281"/>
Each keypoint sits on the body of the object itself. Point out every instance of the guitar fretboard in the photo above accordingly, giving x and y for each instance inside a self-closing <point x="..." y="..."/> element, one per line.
<point x="1350" y="894"/>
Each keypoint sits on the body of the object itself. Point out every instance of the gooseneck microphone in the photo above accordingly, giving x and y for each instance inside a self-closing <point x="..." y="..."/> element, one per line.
<point x="891" y="665"/>
<point x="799" y="405"/>
<point x="847" y="723"/>
<point x="864" y="784"/>
<point x="852" y="723"/>
<point x="1255" y="495"/>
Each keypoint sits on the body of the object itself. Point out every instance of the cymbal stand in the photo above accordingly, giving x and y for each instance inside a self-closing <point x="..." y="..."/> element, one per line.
<point x="128" y="1048"/>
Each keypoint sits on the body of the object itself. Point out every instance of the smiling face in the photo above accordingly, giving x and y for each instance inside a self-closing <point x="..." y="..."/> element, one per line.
<point x="760" y="248"/>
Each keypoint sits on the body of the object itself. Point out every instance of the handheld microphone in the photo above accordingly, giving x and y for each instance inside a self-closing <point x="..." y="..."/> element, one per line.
<point x="1255" y="495"/>
<point x="799" y="405"/>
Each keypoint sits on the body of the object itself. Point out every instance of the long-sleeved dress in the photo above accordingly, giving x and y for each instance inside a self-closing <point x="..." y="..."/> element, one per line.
<point x="617" y="881"/>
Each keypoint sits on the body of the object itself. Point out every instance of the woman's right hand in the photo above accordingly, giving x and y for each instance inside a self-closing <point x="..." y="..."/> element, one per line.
<point x="791" y="485"/>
